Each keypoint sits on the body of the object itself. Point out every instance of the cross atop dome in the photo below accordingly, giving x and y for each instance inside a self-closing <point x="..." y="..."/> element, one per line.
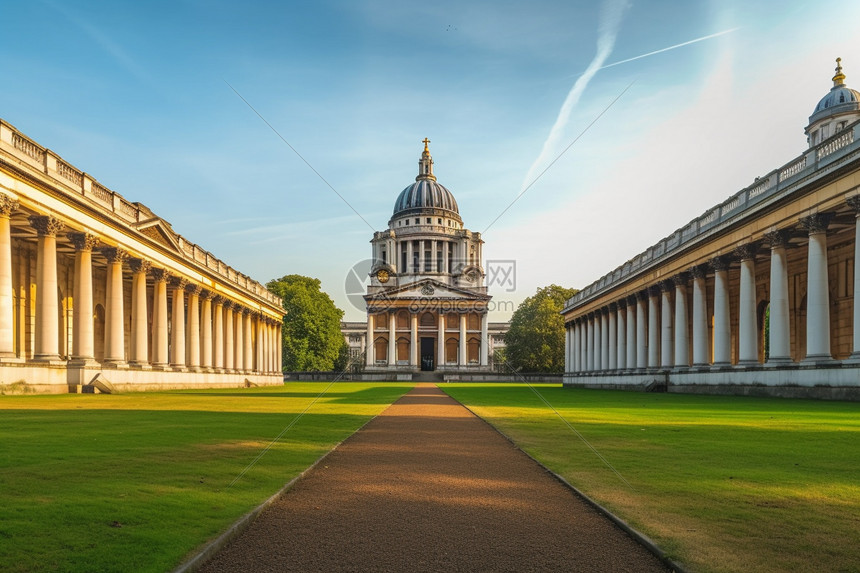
<point x="425" y="164"/>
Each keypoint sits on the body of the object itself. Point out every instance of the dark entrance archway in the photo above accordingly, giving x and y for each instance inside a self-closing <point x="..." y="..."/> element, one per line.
<point x="427" y="355"/>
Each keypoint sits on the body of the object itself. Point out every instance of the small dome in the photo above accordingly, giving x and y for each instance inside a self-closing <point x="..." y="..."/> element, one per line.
<point x="840" y="99"/>
<point x="426" y="195"/>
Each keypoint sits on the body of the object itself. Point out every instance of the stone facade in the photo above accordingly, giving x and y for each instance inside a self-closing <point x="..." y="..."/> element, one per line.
<point x="760" y="290"/>
<point x="97" y="292"/>
<point x="426" y="302"/>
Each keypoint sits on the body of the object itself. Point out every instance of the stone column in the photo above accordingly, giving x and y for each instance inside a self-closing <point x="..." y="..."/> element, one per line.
<point x="7" y="311"/>
<point x="229" y="337"/>
<point x="463" y="358"/>
<point x="779" y="351"/>
<point x="434" y="258"/>
<point x="653" y="327"/>
<point x="576" y="332"/>
<point x="139" y="348"/>
<point x="642" y="326"/>
<point x="192" y="328"/>
<point x="83" y="339"/>
<point x="747" y="320"/>
<point x="440" y="339"/>
<point x="258" y="330"/>
<point x="206" y="357"/>
<point x="598" y="339"/>
<point x="854" y="203"/>
<point x="409" y="256"/>
<point x="630" y="344"/>
<point x="114" y="315"/>
<point x="248" y="352"/>
<point x="392" y="340"/>
<point x="817" y="295"/>
<point x="218" y="333"/>
<point x="47" y="343"/>
<point x="604" y="338"/>
<point x="445" y="256"/>
<point x="589" y="343"/>
<point x="621" y="335"/>
<point x="485" y="340"/>
<point x="159" y="318"/>
<point x="413" y="340"/>
<point x="279" y="351"/>
<point x="177" y="323"/>
<point x="667" y="358"/>
<point x="369" y="345"/>
<point x="568" y="355"/>
<point x="701" y="352"/>
<point x="238" y="339"/>
<point x="611" y="338"/>
<point x="722" y="320"/>
<point x="682" y="336"/>
<point x="421" y="254"/>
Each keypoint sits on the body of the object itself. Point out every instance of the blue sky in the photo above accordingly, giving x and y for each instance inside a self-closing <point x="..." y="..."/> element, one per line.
<point x="137" y="95"/>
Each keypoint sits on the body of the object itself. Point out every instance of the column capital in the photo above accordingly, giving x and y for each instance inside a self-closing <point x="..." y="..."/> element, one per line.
<point x="244" y="310"/>
<point x="178" y="282"/>
<point x="192" y="288"/>
<point x="698" y="271"/>
<point x="83" y="241"/>
<point x="160" y="275"/>
<point x="642" y="294"/>
<point x="816" y="223"/>
<point x="114" y="254"/>
<point x="746" y="251"/>
<point x="720" y="263"/>
<point x="46" y="225"/>
<point x="622" y="303"/>
<point x="854" y="202"/>
<point x="667" y="285"/>
<point x="680" y="279"/>
<point x="654" y="290"/>
<point x="7" y="205"/>
<point x="218" y="300"/>
<point x="613" y="307"/>
<point x="206" y="294"/>
<point x="776" y="239"/>
<point x="139" y="265"/>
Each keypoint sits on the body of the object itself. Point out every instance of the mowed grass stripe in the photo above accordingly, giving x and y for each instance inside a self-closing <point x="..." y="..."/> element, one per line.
<point x="134" y="482"/>
<point x="723" y="484"/>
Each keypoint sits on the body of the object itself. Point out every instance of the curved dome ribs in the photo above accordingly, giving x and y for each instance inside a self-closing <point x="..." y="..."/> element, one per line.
<point x="426" y="195"/>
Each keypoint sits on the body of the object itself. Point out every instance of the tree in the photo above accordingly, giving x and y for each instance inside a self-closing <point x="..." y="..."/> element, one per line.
<point x="535" y="340"/>
<point x="311" y="333"/>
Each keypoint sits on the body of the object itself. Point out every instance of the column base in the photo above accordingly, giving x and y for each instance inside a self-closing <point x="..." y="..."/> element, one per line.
<point x="778" y="361"/>
<point x="853" y="359"/>
<point x="178" y="368"/>
<point x="721" y="366"/>
<point x="140" y="365"/>
<point x="115" y="364"/>
<point x="161" y="366"/>
<point x="12" y="359"/>
<point x="83" y="362"/>
<point x="748" y="363"/>
<point x="818" y="360"/>
<point x="50" y="359"/>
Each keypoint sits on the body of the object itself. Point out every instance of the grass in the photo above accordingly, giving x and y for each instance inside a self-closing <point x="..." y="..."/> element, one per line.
<point x="134" y="482"/>
<point x="723" y="484"/>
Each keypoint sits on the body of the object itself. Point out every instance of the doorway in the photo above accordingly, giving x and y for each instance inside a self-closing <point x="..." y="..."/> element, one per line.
<point x="427" y="354"/>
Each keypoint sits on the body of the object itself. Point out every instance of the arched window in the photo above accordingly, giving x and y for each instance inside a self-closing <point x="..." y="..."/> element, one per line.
<point x="473" y="347"/>
<point x="403" y="349"/>
<point x="402" y="320"/>
<point x="428" y="320"/>
<point x="474" y="321"/>
<point x="380" y="347"/>
<point x="451" y="349"/>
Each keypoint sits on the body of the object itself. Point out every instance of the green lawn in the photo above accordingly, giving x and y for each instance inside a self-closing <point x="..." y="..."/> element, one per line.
<point x="720" y="483"/>
<point x="134" y="482"/>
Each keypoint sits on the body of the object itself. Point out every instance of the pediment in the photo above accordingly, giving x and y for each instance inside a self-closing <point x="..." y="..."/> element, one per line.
<point x="159" y="231"/>
<point x="428" y="289"/>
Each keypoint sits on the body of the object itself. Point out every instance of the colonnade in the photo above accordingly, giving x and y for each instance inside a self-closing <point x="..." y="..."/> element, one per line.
<point x="207" y="331"/>
<point x="441" y="335"/>
<point x="661" y="327"/>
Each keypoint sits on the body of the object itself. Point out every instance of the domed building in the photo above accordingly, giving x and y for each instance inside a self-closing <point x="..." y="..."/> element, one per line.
<point x="426" y="301"/>
<point x="837" y="109"/>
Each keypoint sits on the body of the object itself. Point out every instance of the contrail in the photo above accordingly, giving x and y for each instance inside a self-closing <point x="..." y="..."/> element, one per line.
<point x="682" y="44"/>
<point x="610" y="22"/>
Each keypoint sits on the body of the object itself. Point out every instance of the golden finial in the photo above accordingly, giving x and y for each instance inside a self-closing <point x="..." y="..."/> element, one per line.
<point x="425" y="142"/>
<point x="839" y="78"/>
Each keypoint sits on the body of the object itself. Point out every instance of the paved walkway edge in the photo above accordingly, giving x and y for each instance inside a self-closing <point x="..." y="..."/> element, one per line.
<point x="640" y="538"/>
<point x="211" y="548"/>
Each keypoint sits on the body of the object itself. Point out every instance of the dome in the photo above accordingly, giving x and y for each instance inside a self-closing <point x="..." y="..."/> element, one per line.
<point x="840" y="99"/>
<point x="426" y="195"/>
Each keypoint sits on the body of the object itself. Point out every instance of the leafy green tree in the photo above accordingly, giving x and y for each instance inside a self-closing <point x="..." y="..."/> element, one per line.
<point x="535" y="340"/>
<point x="311" y="333"/>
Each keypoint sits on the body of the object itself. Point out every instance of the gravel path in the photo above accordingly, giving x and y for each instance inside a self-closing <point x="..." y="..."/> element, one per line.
<point x="428" y="486"/>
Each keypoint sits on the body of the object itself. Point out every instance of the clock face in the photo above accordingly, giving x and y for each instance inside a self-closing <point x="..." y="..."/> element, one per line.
<point x="382" y="276"/>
